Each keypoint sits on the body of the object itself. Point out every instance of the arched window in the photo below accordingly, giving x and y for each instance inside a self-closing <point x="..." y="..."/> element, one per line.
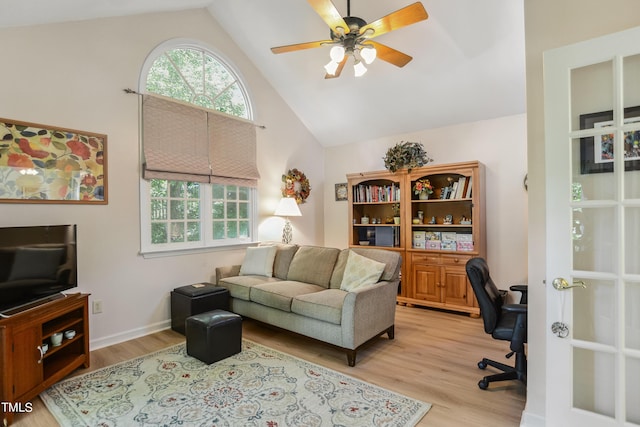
<point x="177" y="215"/>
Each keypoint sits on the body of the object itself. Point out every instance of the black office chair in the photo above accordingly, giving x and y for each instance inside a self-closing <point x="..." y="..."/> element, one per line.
<point x="506" y="322"/>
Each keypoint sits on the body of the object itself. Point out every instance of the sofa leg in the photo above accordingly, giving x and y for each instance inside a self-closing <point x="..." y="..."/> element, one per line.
<point x="391" y="332"/>
<point x="351" y="357"/>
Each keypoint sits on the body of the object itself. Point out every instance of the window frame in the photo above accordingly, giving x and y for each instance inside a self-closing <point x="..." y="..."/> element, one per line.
<point x="206" y="243"/>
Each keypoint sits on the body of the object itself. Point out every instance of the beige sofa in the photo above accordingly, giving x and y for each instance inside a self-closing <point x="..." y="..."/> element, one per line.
<point x="302" y="294"/>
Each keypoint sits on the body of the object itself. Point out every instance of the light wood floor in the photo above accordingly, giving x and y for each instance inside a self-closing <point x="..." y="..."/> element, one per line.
<point x="433" y="358"/>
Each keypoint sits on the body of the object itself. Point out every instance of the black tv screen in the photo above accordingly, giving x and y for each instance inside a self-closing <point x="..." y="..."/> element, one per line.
<point x="36" y="263"/>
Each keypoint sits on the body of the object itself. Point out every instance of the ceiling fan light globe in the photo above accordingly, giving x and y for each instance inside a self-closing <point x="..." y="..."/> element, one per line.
<point x="368" y="54"/>
<point x="331" y="67"/>
<point x="359" y="69"/>
<point x="337" y="54"/>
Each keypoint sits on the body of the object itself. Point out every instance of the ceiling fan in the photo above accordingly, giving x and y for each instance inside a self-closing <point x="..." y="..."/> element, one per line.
<point x="351" y="36"/>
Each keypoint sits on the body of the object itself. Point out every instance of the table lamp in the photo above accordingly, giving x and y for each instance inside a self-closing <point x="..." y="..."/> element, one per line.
<point x="286" y="208"/>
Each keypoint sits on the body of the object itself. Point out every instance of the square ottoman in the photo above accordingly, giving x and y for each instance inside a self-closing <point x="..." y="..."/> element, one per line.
<point x="214" y="335"/>
<point x="194" y="299"/>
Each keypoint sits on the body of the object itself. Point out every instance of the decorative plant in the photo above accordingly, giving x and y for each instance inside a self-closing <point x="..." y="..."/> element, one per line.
<point x="396" y="209"/>
<point x="406" y="154"/>
<point x="422" y="185"/>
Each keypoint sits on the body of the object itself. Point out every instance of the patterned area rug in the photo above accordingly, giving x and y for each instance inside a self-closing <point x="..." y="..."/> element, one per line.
<point x="257" y="387"/>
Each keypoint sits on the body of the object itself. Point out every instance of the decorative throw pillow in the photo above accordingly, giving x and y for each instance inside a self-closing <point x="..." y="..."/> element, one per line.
<point x="258" y="261"/>
<point x="360" y="271"/>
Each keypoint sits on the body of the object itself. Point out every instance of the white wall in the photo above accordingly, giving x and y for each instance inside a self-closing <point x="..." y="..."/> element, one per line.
<point x="72" y="75"/>
<point x="500" y="144"/>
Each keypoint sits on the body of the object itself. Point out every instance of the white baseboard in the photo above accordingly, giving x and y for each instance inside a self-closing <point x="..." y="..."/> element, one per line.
<point x="531" y="420"/>
<point x="129" y="335"/>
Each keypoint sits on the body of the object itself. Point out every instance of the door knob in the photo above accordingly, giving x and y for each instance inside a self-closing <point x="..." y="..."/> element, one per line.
<point x="561" y="284"/>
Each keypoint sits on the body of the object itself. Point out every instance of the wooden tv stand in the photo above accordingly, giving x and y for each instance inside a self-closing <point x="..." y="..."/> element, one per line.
<point x="26" y="370"/>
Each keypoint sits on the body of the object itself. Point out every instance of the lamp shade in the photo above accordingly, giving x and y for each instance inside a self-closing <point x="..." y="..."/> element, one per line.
<point x="359" y="69"/>
<point x="368" y="54"/>
<point x="288" y="207"/>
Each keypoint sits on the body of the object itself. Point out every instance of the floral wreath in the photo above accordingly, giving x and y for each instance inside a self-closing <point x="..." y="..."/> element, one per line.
<point x="296" y="185"/>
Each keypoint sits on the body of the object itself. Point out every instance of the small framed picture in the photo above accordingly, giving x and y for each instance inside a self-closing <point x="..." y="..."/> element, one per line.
<point x="341" y="191"/>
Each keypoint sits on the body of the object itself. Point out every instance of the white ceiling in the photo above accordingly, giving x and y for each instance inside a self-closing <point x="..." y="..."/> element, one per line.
<point x="468" y="61"/>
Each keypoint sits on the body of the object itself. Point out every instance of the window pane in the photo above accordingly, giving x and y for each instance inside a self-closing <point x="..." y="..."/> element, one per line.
<point x="218" y="191"/>
<point x="244" y="229"/>
<point x="232" y="192"/>
<point x="218" y="210"/>
<point x="193" y="190"/>
<point x="176" y="189"/>
<point x="232" y="210"/>
<point x="218" y="230"/>
<point x="158" y="188"/>
<point x="244" y="193"/>
<point x="177" y="231"/>
<point x="231" y="101"/>
<point x="243" y="210"/>
<point x="158" y="232"/>
<point x="177" y="209"/>
<point x="193" y="231"/>
<point x="158" y="209"/>
<point x="193" y="209"/>
<point x="232" y="229"/>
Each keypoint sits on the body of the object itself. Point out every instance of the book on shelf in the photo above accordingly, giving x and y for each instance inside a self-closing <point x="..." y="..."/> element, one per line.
<point x="460" y="191"/>
<point x="468" y="190"/>
<point x="363" y="193"/>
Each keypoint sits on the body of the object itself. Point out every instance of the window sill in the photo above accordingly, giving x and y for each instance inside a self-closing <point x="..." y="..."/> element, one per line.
<point x="191" y="251"/>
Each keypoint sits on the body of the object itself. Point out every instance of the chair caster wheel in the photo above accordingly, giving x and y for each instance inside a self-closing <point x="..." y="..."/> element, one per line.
<point x="482" y="365"/>
<point x="483" y="384"/>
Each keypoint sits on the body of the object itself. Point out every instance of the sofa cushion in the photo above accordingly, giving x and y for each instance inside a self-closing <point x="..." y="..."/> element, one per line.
<point x="239" y="286"/>
<point x="280" y="294"/>
<point x="312" y="264"/>
<point x="258" y="261"/>
<point x="391" y="259"/>
<point x="360" y="271"/>
<point x="325" y="305"/>
<point x="284" y="255"/>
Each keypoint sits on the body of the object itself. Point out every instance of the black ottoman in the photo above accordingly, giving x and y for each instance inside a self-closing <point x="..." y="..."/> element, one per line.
<point x="194" y="299"/>
<point x="214" y="335"/>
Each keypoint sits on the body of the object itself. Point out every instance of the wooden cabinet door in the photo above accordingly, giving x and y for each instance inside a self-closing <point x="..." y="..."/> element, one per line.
<point x="427" y="284"/>
<point x="27" y="371"/>
<point x="456" y="289"/>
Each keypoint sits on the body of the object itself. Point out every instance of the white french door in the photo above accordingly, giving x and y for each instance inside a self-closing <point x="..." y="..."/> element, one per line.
<point x="592" y="145"/>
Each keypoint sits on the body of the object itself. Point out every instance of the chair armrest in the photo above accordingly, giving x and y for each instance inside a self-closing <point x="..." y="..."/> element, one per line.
<point x="523" y="289"/>
<point x="519" y="336"/>
<point x="227" y="271"/>
<point x="368" y="311"/>
<point x="515" y="308"/>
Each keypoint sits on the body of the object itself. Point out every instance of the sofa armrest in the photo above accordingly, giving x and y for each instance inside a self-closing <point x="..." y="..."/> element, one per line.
<point x="227" y="271"/>
<point x="368" y="311"/>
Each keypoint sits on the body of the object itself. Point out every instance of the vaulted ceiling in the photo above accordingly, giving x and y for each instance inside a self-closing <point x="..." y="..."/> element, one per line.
<point x="468" y="59"/>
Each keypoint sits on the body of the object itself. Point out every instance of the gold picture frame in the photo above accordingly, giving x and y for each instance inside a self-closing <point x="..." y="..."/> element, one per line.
<point x="341" y="191"/>
<point x="49" y="164"/>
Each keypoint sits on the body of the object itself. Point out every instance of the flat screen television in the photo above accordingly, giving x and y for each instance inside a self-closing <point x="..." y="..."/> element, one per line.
<point x="37" y="263"/>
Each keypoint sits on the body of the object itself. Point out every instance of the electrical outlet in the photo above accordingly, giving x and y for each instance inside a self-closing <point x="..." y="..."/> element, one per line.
<point x="97" y="307"/>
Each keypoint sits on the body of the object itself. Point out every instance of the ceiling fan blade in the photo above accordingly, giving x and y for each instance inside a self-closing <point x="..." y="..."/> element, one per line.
<point x="390" y="55"/>
<point x="398" y="19"/>
<point x="329" y="14"/>
<point x="338" y="70"/>
<point x="299" y="46"/>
